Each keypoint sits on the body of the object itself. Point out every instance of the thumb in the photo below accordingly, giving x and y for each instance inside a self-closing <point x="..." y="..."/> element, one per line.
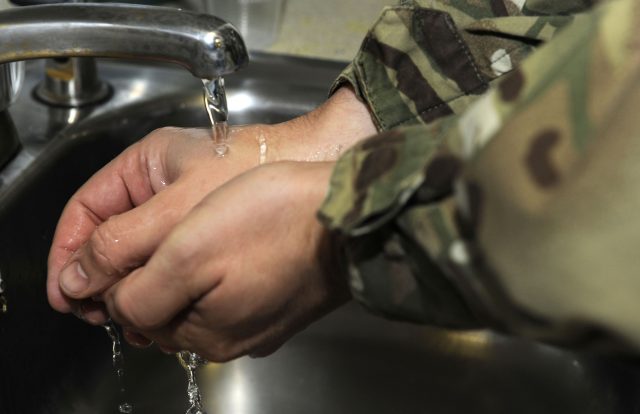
<point x="121" y="244"/>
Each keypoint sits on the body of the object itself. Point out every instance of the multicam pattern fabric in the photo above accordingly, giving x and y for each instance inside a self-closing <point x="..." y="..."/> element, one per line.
<point x="511" y="207"/>
<point x="426" y="59"/>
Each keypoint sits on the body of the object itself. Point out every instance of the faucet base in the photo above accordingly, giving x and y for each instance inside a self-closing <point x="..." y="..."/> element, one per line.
<point x="72" y="83"/>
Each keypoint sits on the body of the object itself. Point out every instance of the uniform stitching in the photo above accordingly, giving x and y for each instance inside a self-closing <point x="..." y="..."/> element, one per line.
<point x="363" y="73"/>
<point x="366" y="88"/>
<point x="368" y="92"/>
<point x="450" y="24"/>
<point x="360" y="68"/>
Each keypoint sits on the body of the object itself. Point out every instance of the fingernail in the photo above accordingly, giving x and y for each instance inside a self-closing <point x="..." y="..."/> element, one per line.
<point x="167" y="350"/>
<point x="137" y="340"/>
<point x="94" y="313"/>
<point x="73" y="279"/>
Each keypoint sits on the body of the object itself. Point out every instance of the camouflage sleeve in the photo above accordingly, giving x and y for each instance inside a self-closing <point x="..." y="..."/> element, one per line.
<point x="516" y="210"/>
<point x="426" y="59"/>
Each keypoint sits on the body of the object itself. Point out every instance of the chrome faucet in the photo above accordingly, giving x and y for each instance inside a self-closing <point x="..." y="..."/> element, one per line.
<point x="205" y="45"/>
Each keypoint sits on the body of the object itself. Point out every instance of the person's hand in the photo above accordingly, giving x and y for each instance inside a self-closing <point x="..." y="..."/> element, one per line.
<point x="248" y="267"/>
<point x="114" y="223"/>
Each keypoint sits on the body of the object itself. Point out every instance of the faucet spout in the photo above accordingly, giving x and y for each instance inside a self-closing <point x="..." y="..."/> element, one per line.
<point x="205" y="45"/>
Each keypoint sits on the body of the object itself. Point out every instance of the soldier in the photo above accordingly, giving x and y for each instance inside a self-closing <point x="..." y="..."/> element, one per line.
<point x="496" y="189"/>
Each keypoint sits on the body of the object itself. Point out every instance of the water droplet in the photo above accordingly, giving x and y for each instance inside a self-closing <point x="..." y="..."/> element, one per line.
<point x="221" y="150"/>
<point x="262" y="145"/>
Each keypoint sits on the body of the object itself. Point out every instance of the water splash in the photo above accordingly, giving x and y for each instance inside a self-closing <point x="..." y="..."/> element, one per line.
<point x="215" y="102"/>
<point x="118" y="365"/>
<point x="125" y="408"/>
<point x="190" y="361"/>
<point x="263" y="148"/>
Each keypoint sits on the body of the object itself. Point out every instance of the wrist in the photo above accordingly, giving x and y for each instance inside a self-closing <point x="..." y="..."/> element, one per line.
<point x="329" y="250"/>
<point x="320" y="135"/>
<point x="324" y="133"/>
<point x="331" y="246"/>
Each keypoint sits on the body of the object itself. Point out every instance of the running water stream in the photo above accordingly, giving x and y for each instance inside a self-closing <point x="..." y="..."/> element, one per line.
<point x="190" y="361"/>
<point x="215" y="102"/>
<point x="124" y="407"/>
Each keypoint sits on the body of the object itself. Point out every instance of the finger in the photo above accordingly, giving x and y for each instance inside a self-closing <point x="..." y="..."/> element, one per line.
<point x="149" y="297"/>
<point x="168" y="350"/>
<point x="136" y="339"/>
<point x="123" y="243"/>
<point x="214" y="344"/>
<point x="118" y="187"/>
<point x="154" y="294"/>
<point x="94" y="313"/>
<point x="265" y="350"/>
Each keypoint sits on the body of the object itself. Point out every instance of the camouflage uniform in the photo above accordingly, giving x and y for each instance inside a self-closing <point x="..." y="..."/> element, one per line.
<point x="500" y="191"/>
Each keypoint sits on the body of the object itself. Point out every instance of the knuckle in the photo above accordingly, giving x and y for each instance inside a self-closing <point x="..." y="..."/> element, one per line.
<point x="158" y="137"/>
<point x="223" y="351"/>
<point x="181" y="257"/>
<point x="209" y="344"/>
<point x="162" y="132"/>
<point x="103" y="246"/>
<point x="126" y="308"/>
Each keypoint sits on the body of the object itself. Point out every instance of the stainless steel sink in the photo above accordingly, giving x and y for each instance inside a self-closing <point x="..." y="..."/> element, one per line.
<point x="349" y="362"/>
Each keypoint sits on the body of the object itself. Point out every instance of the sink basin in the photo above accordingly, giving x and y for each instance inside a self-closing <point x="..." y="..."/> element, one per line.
<point x="349" y="362"/>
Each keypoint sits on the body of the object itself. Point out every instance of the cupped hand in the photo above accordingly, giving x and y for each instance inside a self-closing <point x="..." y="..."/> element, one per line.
<point x="248" y="267"/>
<point x="116" y="220"/>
